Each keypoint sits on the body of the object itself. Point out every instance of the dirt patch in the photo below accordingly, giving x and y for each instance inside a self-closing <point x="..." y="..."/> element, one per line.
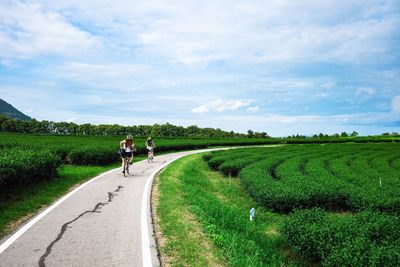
<point x="12" y="226"/>
<point x="159" y="238"/>
<point x="198" y="234"/>
<point x="272" y="232"/>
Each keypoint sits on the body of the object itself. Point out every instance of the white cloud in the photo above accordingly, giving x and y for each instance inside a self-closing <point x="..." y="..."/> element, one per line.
<point x="28" y="30"/>
<point x="368" y="91"/>
<point x="328" y="85"/>
<point x="253" y="108"/>
<point x="174" y="56"/>
<point x="201" y="109"/>
<point x="117" y="77"/>
<point x="396" y="105"/>
<point x="220" y="105"/>
<point x="87" y="71"/>
<point x="7" y="63"/>
<point x="193" y="32"/>
<point x="263" y="36"/>
<point x="281" y="125"/>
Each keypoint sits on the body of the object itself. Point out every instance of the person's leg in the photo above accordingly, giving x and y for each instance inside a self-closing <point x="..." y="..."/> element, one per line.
<point x="123" y="165"/>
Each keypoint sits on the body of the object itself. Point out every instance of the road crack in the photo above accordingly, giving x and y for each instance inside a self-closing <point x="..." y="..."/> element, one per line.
<point x="65" y="226"/>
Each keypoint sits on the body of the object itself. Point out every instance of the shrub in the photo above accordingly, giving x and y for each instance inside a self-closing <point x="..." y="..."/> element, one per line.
<point x="91" y="155"/>
<point x="333" y="177"/>
<point x="364" y="239"/>
<point x="21" y="167"/>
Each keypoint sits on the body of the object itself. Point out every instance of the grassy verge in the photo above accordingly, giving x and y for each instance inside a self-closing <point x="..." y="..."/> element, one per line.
<point x="24" y="204"/>
<point x="182" y="242"/>
<point x="203" y="219"/>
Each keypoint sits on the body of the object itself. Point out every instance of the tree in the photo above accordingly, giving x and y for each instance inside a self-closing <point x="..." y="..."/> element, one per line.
<point x="9" y="125"/>
<point x="193" y="131"/>
<point x="344" y="134"/>
<point x="354" y="134"/>
<point x="2" y="119"/>
<point x="260" y="135"/>
<point x="44" y="127"/>
<point x="164" y="130"/>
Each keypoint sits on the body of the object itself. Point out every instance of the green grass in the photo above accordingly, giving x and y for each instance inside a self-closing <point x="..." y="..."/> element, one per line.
<point x="21" y="205"/>
<point x="194" y="199"/>
<point x="186" y="244"/>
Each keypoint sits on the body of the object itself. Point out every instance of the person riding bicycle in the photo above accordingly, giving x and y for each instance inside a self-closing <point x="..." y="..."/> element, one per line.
<point x="127" y="147"/>
<point x="150" y="148"/>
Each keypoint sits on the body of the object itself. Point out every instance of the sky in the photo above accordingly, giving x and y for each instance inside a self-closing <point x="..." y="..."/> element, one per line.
<point x="279" y="66"/>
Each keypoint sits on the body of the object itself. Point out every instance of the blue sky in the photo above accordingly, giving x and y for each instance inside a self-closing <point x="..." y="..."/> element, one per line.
<point x="284" y="67"/>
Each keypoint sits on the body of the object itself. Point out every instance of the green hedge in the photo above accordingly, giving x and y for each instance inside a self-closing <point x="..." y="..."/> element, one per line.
<point x="99" y="150"/>
<point x="26" y="159"/>
<point x="92" y="155"/>
<point x="19" y="167"/>
<point x="331" y="176"/>
<point x="364" y="239"/>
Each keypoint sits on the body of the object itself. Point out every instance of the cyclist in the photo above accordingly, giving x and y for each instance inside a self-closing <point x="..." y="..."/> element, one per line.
<point x="150" y="147"/>
<point x="127" y="147"/>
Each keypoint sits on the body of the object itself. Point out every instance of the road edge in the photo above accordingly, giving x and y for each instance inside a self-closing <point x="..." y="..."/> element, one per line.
<point x="145" y="212"/>
<point x="14" y="236"/>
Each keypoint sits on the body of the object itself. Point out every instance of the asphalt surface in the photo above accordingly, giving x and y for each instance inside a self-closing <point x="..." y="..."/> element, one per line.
<point x="98" y="225"/>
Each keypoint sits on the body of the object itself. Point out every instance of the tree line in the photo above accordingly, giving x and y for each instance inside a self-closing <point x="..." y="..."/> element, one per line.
<point x="158" y="130"/>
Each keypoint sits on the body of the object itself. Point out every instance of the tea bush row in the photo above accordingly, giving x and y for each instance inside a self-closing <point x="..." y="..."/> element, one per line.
<point x="28" y="158"/>
<point x="96" y="150"/>
<point x="336" y="177"/>
<point x="333" y="177"/>
<point x="19" y="168"/>
<point x="363" y="239"/>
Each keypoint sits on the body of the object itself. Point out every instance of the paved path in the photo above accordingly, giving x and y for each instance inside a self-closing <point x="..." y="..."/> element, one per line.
<point x="105" y="222"/>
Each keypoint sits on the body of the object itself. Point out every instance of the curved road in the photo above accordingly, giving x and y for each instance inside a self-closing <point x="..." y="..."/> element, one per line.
<point x="104" y="222"/>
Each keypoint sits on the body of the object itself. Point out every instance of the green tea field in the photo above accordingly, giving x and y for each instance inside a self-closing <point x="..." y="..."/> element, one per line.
<point x="342" y="201"/>
<point x="27" y="158"/>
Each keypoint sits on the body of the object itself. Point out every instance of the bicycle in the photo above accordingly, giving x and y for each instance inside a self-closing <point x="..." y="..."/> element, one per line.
<point x="150" y="154"/>
<point x="126" y="161"/>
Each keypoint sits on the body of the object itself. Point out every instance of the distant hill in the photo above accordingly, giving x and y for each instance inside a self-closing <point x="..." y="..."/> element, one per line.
<point x="9" y="111"/>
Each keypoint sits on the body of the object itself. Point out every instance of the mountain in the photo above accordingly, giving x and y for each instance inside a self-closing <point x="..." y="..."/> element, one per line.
<point x="9" y="111"/>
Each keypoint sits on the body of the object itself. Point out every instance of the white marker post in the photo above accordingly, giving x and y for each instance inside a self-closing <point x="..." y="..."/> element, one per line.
<point x="252" y="214"/>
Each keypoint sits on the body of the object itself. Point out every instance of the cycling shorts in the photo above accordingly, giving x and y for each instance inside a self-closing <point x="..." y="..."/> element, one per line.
<point x="125" y="154"/>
